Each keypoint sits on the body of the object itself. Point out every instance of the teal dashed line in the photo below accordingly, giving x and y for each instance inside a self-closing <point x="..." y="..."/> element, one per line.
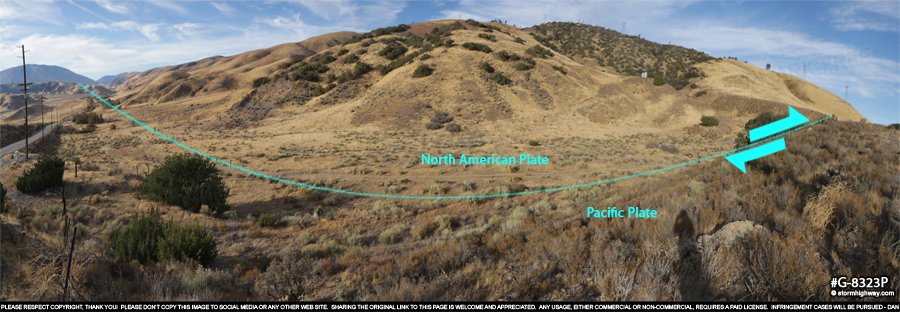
<point x="363" y="194"/>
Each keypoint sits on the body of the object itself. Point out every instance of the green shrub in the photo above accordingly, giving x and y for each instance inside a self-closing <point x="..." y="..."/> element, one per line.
<point x="323" y="59"/>
<point x="267" y="220"/>
<point x="360" y="69"/>
<point x="46" y="173"/>
<point x="308" y="71"/>
<point x="188" y="181"/>
<point x="87" y="129"/>
<point x="486" y="67"/>
<point x="187" y="241"/>
<point x="539" y="51"/>
<point x="507" y="56"/>
<point x="146" y="239"/>
<point x="425" y="57"/>
<point x="519" y="40"/>
<point x="743" y="138"/>
<point x="659" y="80"/>
<point x="709" y="121"/>
<point x="488" y="37"/>
<point x="258" y="82"/>
<point x="526" y="64"/>
<point x="342" y="52"/>
<point x="422" y="71"/>
<point x="500" y="79"/>
<point x="87" y="118"/>
<point x="350" y="58"/>
<point x="477" y="47"/>
<point x="139" y="239"/>
<point x="392" y="51"/>
<point x="534" y="143"/>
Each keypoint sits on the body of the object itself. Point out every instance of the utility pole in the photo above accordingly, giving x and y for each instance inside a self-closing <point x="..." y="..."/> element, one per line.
<point x="24" y="86"/>
<point x="42" y="114"/>
<point x="69" y="268"/>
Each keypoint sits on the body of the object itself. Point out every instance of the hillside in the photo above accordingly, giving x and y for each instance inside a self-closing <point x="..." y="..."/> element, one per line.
<point x="54" y="87"/>
<point x="356" y="112"/>
<point x="42" y="73"/>
<point x="216" y="74"/>
<point x="114" y="80"/>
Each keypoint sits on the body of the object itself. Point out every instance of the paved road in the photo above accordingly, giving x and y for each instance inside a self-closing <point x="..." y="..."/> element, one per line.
<point x="21" y="144"/>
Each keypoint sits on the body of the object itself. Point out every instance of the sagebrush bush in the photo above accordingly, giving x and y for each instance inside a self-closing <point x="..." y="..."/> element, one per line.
<point x="539" y="51"/>
<point x="488" y="37"/>
<point x="258" y="82"/>
<point x="350" y="58"/>
<point x="46" y="173"/>
<point x="477" y="47"/>
<point x="486" y="67"/>
<point x="188" y="181"/>
<point x="87" y="118"/>
<point x="709" y="121"/>
<point x="187" y="241"/>
<point x="139" y="239"/>
<point x="147" y="239"/>
<point x="500" y="79"/>
<point x="422" y="71"/>
<point x="392" y="51"/>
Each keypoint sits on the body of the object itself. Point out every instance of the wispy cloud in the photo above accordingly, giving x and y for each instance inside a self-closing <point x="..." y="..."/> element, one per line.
<point x="866" y="15"/>
<point x="149" y="31"/>
<point x="38" y="10"/>
<point x="119" y="8"/>
<point x="170" y="5"/>
<point x="355" y="13"/>
<point x="223" y="8"/>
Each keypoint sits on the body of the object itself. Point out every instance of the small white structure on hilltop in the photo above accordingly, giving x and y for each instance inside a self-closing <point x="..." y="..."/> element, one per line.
<point x="643" y="74"/>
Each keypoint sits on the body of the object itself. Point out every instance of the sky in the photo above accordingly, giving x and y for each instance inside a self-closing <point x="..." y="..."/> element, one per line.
<point x="850" y="48"/>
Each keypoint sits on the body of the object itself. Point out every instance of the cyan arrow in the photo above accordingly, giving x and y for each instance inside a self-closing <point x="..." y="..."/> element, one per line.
<point x="739" y="159"/>
<point x="793" y="119"/>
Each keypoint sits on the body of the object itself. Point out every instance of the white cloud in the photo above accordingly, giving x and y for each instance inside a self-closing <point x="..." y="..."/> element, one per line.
<point x="92" y="25"/>
<point x="355" y="13"/>
<point x="223" y="8"/>
<point x="170" y="5"/>
<point x="866" y="15"/>
<point x="185" y="31"/>
<point x="530" y="12"/>
<point x="149" y="31"/>
<point x="119" y="8"/>
<point x="37" y="10"/>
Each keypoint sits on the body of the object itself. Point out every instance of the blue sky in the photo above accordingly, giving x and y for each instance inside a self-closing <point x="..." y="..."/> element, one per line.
<point x="843" y="46"/>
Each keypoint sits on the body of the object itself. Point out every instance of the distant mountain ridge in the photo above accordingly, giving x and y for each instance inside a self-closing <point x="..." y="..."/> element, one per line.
<point x="113" y="80"/>
<point x="38" y="73"/>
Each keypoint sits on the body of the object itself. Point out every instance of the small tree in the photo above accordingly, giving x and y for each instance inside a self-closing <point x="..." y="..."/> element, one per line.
<point x="709" y="121"/>
<point x="46" y="173"/>
<point x="188" y="181"/>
